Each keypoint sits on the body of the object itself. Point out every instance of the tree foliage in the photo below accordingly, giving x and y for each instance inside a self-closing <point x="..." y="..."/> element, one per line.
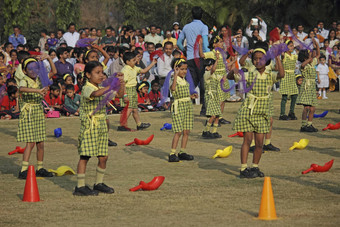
<point x="67" y="11"/>
<point x="15" y="12"/>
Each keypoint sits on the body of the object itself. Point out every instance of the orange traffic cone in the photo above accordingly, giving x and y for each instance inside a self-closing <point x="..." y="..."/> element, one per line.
<point x="267" y="207"/>
<point x="31" y="193"/>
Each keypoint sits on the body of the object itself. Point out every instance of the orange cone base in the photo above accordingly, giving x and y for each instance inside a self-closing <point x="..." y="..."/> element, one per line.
<point x="267" y="207"/>
<point x="31" y="193"/>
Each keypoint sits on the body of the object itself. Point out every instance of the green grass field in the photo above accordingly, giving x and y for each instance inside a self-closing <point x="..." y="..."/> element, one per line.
<point x="203" y="192"/>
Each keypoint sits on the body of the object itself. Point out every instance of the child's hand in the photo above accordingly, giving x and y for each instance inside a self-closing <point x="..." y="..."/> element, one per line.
<point x="176" y="71"/>
<point x="43" y="91"/>
<point x="95" y="46"/>
<point x="194" y="96"/>
<point x="154" y="60"/>
<point x="319" y="81"/>
<point x="250" y="51"/>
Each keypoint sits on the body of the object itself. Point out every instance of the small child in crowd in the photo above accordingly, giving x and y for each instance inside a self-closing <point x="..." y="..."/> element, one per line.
<point x="72" y="100"/>
<point x="323" y="79"/>
<point x="144" y="103"/>
<point x="10" y="104"/>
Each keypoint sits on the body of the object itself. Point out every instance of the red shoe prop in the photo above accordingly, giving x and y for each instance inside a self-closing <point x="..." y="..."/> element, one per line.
<point x="152" y="185"/>
<point x="332" y="127"/>
<point x="239" y="134"/>
<point x="17" y="150"/>
<point x="141" y="142"/>
<point x="317" y="168"/>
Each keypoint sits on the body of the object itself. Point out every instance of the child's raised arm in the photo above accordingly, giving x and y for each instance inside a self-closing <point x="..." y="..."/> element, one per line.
<point x="213" y="69"/>
<point x="173" y="85"/>
<point x="42" y="91"/>
<point x="154" y="61"/>
<point x="317" y="49"/>
<point x="244" y="58"/>
<point x="280" y="68"/>
<point x="103" y="52"/>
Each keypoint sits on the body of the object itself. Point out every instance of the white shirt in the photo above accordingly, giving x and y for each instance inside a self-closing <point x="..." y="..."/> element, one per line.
<point x="322" y="69"/>
<point x="164" y="67"/>
<point x="71" y="38"/>
<point x="301" y="35"/>
<point x="308" y="41"/>
<point x="244" y="42"/>
<point x="263" y="31"/>
<point x="324" y="33"/>
<point x="111" y="60"/>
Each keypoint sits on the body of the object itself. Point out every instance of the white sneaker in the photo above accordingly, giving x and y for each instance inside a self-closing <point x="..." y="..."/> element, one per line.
<point x="324" y="97"/>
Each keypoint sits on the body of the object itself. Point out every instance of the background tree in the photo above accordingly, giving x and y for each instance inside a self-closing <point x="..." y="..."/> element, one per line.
<point x="68" y="11"/>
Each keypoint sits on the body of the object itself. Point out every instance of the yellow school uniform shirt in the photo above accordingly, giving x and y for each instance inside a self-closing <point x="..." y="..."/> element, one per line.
<point x="130" y="75"/>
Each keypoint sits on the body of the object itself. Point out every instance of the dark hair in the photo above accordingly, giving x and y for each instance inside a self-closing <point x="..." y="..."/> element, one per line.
<point x="128" y="56"/>
<point x="176" y="52"/>
<point x="137" y="49"/>
<point x="212" y="41"/>
<point x="122" y="50"/>
<point x="11" y="80"/>
<point x="303" y="55"/>
<point x="43" y="31"/>
<point x="37" y="48"/>
<point x="262" y="45"/>
<point x="155" y="81"/>
<point x="70" y="87"/>
<point x="13" y="51"/>
<point x="311" y="30"/>
<point x="322" y="56"/>
<point x="91" y="65"/>
<point x="111" y="49"/>
<point x="180" y="64"/>
<point x="61" y="30"/>
<point x="7" y="44"/>
<point x="2" y="55"/>
<point x="21" y="45"/>
<point x="158" y="45"/>
<point x="208" y="62"/>
<point x="60" y="51"/>
<point x="153" y="26"/>
<point x="16" y="26"/>
<point x="150" y="44"/>
<point x="109" y="28"/>
<point x="71" y="24"/>
<point x="197" y="13"/>
<point x="331" y="30"/>
<point x="11" y="90"/>
<point x="51" y="51"/>
<point x="141" y="35"/>
<point x="290" y="41"/>
<point x="22" y="55"/>
<point x="168" y="43"/>
<point x="54" y="87"/>
<point x="86" y="54"/>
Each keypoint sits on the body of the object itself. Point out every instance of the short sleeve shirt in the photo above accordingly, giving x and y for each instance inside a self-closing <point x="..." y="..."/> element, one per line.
<point x="130" y="75"/>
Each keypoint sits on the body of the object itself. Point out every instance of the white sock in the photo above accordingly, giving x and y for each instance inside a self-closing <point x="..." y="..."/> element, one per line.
<point x="320" y="93"/>
<point x="324" y="93"/>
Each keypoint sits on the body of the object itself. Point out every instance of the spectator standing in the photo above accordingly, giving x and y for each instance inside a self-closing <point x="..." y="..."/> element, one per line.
<point x="71" y="37"/>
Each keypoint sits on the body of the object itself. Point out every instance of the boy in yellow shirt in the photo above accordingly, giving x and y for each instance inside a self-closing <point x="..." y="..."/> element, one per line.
<point x="130" y="72"/>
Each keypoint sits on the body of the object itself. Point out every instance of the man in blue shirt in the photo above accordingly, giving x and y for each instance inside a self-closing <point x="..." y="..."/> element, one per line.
<point x="190" y="33"/>
<point x="16" y="38"/>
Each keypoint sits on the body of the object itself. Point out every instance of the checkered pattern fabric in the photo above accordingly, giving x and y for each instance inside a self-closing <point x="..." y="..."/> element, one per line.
<point x="288" y="83"/>
<point x="259" y="120"/>
<point x="307" y="94"/>
<point x="132" y="96"/>
<point x="271" y="105"/>
<point x="32" y="125"/>
<point x="211" y="98"/>
<point x="92" y="140"/>
<point x="184" y="119"/>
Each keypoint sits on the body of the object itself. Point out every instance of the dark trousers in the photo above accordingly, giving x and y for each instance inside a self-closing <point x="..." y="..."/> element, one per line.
<point x="197" y="76"/>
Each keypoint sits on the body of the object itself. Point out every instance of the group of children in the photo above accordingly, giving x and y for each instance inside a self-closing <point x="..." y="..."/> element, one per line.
<point x="25" y="94"/>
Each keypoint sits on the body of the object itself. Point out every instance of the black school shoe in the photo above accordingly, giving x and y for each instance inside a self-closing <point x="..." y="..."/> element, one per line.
<point x="223" y="121"/>
<point x="247" y="173"/>
<point x="173" y="158"/>
<point x="43" y="173"/>
<point x="284" y="117"/>
<point x="124" y="129"/>
<point x="23" y="174"/>
<point x="292" y="116"/>
<point x="185" y="156"/>
<point x="207" y="135"/>
<point x="84" y="191"/>
<point x="308" y="129"/>
<point x="256" y="172"/>
<point x="103" y="188"/>
<point x="216" y="135"/>
<point x="270" y="147"/>
<point x="143" y="126"/>
<point x="111" y="143"/>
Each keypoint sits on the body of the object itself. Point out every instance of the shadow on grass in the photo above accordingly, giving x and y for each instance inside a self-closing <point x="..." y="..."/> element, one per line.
<point x="6" y="131"/>
<point x="9" y="166"/>
<point x="329" y="186"/>
<point x="325" y="150"/>
<point x="203" y="162"/>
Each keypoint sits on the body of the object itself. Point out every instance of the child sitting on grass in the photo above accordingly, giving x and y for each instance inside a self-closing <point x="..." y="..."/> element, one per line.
<point x="144" y="103"/>
<point x="10" y="104"/>
<point x="72" y="100"/>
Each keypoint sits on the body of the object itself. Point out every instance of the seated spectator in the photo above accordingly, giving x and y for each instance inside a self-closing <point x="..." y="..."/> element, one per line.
<point x="10" y="105"/>
<point x="72" y="100"/>
<point x="79" y="85"/>
<point x="153" y="37"/>
<point x="176" y="31"/>
<point x="118" y="65"/>
<point x="144" y="103"/>
<point x="63" y="67"/>
<point x="155" y="96"/>
<point x="139" y="54"/>
<point x="168" y="38"/>
<point x="53" y="98"/>
<point x="68" y="79"/>
<point x="140" y="42"/>
<point x="108" y="39"/>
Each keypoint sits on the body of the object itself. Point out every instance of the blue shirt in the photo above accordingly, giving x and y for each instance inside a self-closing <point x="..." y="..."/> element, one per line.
<point x="62" y="68"/>
<point x="16" y="40"/>
<point x="190" y="33"/>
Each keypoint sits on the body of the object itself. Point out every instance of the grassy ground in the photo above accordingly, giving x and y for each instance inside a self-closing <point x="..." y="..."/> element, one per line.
<point x="198" y="193"/>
